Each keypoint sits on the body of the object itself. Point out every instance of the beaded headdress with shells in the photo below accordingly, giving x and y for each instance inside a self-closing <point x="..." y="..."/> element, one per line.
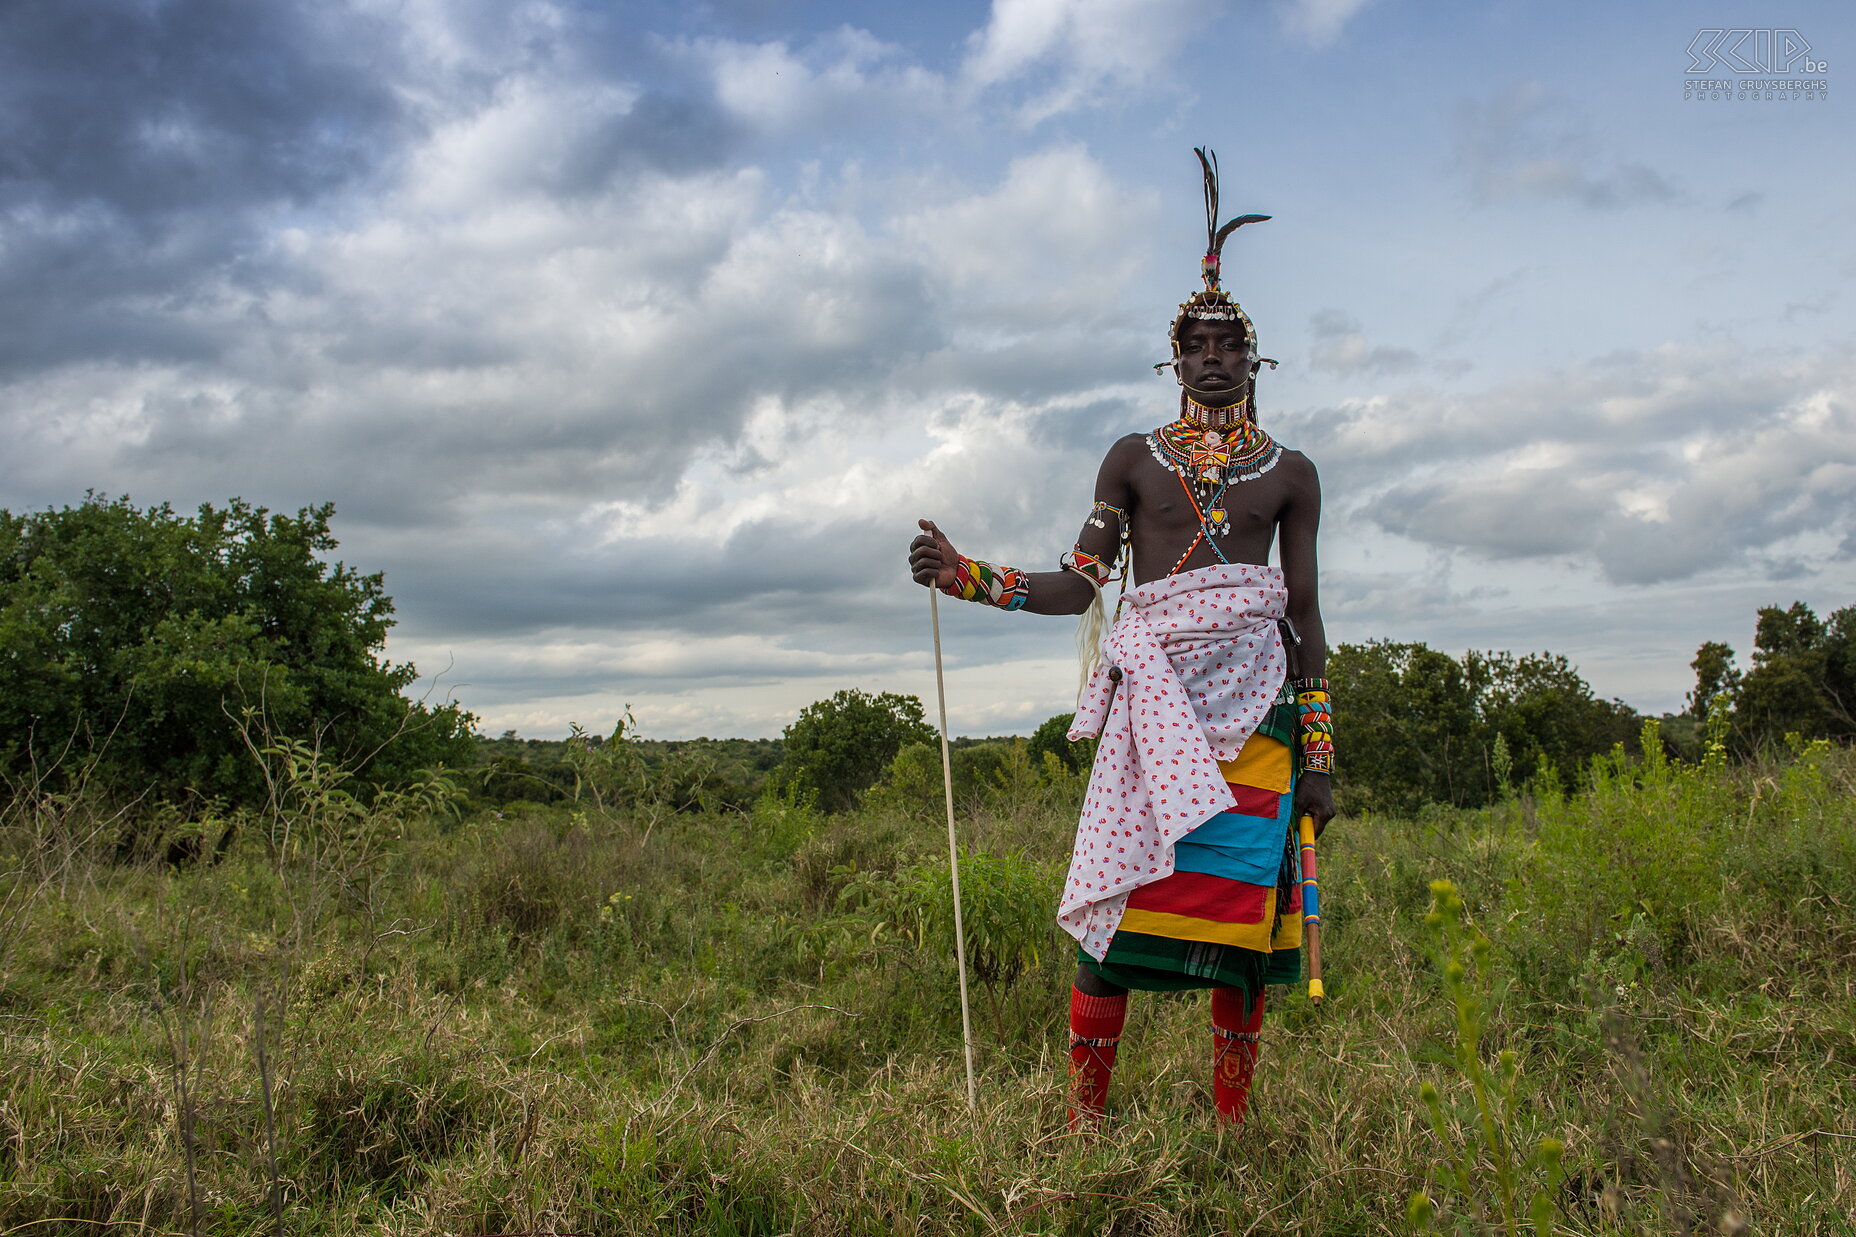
<point x="1213" y="303"/>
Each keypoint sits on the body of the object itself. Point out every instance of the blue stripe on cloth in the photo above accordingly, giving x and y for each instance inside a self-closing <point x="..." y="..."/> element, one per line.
<point x="1244" y="848"/>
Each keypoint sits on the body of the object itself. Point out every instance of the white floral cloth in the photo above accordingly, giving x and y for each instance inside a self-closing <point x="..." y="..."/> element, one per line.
<point x="1201" y="662"/>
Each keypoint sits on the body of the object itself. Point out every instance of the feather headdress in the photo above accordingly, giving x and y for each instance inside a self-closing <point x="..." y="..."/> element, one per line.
<point x="1213" y="303"/>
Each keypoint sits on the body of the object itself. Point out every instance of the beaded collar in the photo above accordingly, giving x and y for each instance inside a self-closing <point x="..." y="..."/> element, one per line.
<point x="1211" y="457"/>
<point x="1208" y="417"/>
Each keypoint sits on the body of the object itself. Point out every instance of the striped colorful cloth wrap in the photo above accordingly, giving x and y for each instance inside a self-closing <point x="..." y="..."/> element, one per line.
<point x="1189" y="671"/>
<point x="1230" y="915"/>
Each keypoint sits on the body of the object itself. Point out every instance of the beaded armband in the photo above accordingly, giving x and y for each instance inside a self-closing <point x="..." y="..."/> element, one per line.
<point x="1316" y="724"/>
<point x="1096" y="570"/>
<point x="1088" y="566"/>
<point x="1004" y="587"/>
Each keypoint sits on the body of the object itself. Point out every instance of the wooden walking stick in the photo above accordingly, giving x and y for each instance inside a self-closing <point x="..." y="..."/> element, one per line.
<point x="1311" y="910"/>
<point x="953" y="850"/>
<point x="1311" y="887"/>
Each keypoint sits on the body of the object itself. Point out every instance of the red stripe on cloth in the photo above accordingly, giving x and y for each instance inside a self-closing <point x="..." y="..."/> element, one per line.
<point x="1202" y="896"/>
<point x="1256" y="801"/>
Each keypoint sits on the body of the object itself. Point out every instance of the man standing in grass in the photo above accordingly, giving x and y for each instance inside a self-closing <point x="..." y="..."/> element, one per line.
<point x="1183" y="872"/>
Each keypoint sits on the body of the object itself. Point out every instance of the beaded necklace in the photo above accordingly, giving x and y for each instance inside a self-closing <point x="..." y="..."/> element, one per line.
<point x="1241" y="452"/>
<point x="1208" y="459"/>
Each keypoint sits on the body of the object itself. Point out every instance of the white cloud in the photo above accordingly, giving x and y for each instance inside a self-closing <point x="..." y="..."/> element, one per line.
<point x="1051" y="243"/>
<point x="534" y="133"/>
<point x="1341" y="348"/>
<point x="1647" y="467"/>
<point x="621" y="428"/>
<point x="1526" y="142"/>
<point x="1319" y="22"/>
<point x="1077" y="51"/>
<point x="843" y="80"/>
<point x="1050" y="56"/>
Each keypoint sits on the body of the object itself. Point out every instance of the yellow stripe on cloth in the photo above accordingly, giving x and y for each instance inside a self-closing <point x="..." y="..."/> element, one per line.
<point x="1263" y="763"/>
<point x="1244" y="935"/>
<point x="1289" y="935"/>
<point x="1190" y="928"/>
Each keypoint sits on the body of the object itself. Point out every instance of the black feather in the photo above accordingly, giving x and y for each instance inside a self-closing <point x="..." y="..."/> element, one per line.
<point x="1234" y="225"/>
<point x="1208" y="160"/>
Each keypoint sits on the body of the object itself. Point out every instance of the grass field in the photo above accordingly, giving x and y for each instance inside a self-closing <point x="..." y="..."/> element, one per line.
<point x="397" y="1020"/>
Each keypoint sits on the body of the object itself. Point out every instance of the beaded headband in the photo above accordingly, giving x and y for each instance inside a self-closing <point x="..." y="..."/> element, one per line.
<point x="1213" y="303"/>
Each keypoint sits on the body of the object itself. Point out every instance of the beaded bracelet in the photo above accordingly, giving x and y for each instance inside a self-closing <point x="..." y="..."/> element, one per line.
<point x="1004" y="587"/>
<point x="1316" y="724"/>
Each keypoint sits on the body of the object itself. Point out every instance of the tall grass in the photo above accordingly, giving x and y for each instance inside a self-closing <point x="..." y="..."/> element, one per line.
<point x="600" y="1020"/>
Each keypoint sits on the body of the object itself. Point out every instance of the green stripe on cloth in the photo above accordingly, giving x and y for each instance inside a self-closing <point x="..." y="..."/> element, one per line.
<point x="1280" y="722"/>
<point x="1162" y="964"/>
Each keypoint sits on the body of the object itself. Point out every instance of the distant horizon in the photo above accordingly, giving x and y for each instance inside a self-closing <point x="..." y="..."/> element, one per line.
<point x="642" y="732"/>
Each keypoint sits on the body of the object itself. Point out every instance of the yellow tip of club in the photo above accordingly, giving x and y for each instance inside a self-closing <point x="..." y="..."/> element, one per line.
<point x="1315" y="992"/>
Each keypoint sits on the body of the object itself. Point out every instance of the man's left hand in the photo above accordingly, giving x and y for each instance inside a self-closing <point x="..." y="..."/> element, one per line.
<point x="1314" y="796"/>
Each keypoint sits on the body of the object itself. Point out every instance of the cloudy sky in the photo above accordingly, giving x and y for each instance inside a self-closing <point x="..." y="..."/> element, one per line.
<point x="630" y="339"/>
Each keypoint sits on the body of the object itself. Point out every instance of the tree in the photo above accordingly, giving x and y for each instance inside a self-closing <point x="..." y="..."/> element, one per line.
<point x="1803" y="677"/>
<point x="149" y="645"/>
<point x="1839" y="685"/>
<point x="1054" y="737"/>
<point x="1406" y="726"/>
<point x="1715" y="675"/>
<point x="1417" y="726"/>
<point x="839" y="747"/>
<point x="1542" y="709"/>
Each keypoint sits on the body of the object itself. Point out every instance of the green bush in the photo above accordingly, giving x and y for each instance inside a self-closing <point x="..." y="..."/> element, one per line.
<point x="1053" y="736"/>
<point x="912" y="785"/>
<point x="1005" y="903"/>
<point x="151" y="649"/>
<point x="1631" y="881"/>
<point x="838" y="748"/>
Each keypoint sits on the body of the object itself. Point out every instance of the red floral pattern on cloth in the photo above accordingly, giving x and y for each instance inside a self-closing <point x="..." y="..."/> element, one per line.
<point x="1201" y="663"/>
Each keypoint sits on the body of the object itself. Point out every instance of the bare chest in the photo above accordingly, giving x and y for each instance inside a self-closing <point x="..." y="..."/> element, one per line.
<point x="1171" y="513"/>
